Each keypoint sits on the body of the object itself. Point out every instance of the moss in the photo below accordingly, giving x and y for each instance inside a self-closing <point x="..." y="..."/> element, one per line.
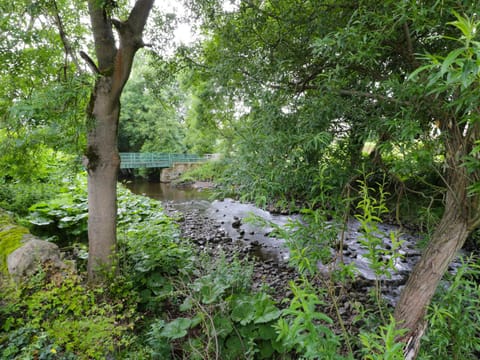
<point x="92" y="156"/>
<point x="10" y="238"/>
<point x="5" y="219"/>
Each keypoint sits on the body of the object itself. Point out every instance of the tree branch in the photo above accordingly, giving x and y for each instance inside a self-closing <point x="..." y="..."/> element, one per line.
<point x="63" y="36"/>
<point x="90" y="62"/>
<point x="105" y="48"/>
<point x="117" y="24"/>
<point x="130" y="33"/>
<point x="139" y="15"/>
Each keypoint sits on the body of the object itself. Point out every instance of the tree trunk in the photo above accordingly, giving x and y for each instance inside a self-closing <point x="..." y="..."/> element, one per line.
<point x="101" y="158"/>
<point x="448" y="238"/>
<point x="104" y="162"/>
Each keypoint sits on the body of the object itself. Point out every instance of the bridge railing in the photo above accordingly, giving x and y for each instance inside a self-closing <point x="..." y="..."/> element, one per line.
<point x="156" y="160"/>
<point x="186" y="158"/>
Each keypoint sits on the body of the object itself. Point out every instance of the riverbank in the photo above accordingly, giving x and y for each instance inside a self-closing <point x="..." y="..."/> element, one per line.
<point x="179" y="295"/>
<point x="220" y="229"/>
<point x="352" y="297"/>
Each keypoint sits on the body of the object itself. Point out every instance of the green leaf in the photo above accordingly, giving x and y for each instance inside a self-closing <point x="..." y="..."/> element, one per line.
<point x="266" y="350"/>
<point x="243" y="310"/>
<point x="414" y="74"/>
<point x="266" y="332"/>
<point x="210" y="292"/>
<point x="176" y="329"/>
<point x="187" y="304"/>
<point x="223" y="326"/>
<point x="465" y="25"/>
<point x="469" y="73"/>
<point x="451" y="57"/>
<point x="39" y="220"/>
<point x="234" y="348"/>
<point x="269" y="313"/>
<point x="145" y="295"/>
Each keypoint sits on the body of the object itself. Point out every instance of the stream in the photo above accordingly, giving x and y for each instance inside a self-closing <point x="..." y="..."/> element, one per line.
<point x="219" y="226"/>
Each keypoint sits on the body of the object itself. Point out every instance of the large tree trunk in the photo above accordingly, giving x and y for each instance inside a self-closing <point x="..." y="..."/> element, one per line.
<point x="449" y="236"/>
<point x="101" y="158"/>
<point x="103" y="167"/>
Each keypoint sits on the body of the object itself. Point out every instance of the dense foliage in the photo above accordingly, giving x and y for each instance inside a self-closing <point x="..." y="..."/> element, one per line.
<point x="42" y="101"/>
<point x="166" y="300"/>
<point x="298" y="85"/>
<point x="327" y="108"/>
<point x="151" y="119"/>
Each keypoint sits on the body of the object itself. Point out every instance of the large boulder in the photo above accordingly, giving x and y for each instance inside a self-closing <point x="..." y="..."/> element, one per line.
<point x="28" y="258"/>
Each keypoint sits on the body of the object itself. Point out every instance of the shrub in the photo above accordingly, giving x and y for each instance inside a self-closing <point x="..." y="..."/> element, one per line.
<point x="18" y="197"/>
<point x="209" y="171"/>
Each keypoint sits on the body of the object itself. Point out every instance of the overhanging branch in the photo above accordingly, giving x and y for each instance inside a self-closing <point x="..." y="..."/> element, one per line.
<point x="63" y="36"/>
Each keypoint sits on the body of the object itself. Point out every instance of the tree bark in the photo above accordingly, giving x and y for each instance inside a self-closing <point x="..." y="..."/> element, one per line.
<point x="448" y="238"/>
<point x="101" y="158"/>
<point x="103" y="164"/>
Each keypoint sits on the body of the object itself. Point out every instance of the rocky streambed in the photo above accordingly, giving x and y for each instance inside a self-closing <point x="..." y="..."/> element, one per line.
<point x="221" y="227"/>
<point x="217" y="231"/>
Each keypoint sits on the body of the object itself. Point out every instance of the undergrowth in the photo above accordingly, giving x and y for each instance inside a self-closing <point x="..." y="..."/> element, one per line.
<point x="209" y="171"/>
<point x="166" y="300"/>
<point x="54" y="316"/>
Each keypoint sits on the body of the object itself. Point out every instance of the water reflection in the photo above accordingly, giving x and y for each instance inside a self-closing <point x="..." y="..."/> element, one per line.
<point x="165" y="192"/>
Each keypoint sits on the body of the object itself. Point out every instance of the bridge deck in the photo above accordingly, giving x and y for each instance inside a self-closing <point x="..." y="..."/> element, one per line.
<point x="156" y="160"/>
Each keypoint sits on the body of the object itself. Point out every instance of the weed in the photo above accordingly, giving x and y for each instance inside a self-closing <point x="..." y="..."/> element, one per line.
<point x="381" y="259"/>
<point x="454" y="318"/>
<point x="306" y="330"/>
<point x="219" y="318"/>
<point x="382" y="344"/>
<point x="55" y="314"/>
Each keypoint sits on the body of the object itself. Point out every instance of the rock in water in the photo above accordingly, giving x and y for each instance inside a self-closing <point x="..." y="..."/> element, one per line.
<point x="236" y="222"/>
<point x="27" y="259"/>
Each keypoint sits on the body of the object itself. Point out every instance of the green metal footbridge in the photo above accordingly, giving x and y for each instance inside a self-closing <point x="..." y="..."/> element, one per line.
<point x="157" y="160"/>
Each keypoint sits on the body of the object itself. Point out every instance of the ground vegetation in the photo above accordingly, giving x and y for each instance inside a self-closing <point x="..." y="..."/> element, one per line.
<point x="330" y="109"/>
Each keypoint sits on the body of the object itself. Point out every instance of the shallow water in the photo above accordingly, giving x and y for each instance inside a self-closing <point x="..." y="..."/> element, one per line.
<point x="229" y="216"/>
